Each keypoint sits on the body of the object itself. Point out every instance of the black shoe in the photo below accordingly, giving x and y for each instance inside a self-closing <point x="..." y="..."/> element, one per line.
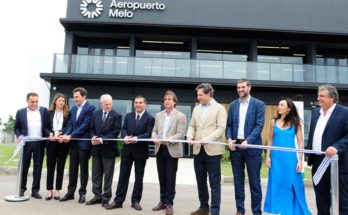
<point x="36" y="195"/>
<point x="113" y="205"/>
<point x="82" y="199"/>
<point x="94" y="201"/>
<point x="136" y="206"/>
<point x="105" y="203"/>
<point x="68" y="196"/>
<point x="21" y="193"/>
<point x="56" y="197"/>
<point x="49" y="197"/>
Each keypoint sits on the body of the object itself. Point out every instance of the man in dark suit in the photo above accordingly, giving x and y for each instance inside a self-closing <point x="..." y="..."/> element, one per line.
<point x="30" y="121"/>
<point x="137" y="125"/>
<point x="78" y="127"/>
<point x="329" y="132"/>
<point x="106" y="124"/>
<point x="245" y="122"/>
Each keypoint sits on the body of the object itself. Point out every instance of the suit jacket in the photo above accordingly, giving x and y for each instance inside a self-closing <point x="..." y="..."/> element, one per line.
<point x="109" y="129"/>
<point x="143" y="129"/>
<point x="176" y="131"/>
<point x="212" y="129"/>
<point x="335" y="134"/>
<point x="21" y="124"/>
<point x="49" y="123"/>
<point x="79" y="128"/>
<point x="254" y="122"/>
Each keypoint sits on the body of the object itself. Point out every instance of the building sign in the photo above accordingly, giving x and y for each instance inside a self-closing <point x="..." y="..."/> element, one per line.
<point x="118" y="9"/>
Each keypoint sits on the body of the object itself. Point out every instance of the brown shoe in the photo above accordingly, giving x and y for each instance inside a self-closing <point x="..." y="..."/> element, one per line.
<point x="159" y="206"/>
<point x="201" y="211"/>
<point x="239" y="213"/>
<point x="169" y="210"/>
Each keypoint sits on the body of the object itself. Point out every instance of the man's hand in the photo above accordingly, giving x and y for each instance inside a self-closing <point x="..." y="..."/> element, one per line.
<point x="66" y="138"/>
<point x="156" y="141"/>
<point x="231" y="143"/>
<point x="95" y="140"/>
<point x="134" y="140"/>
<point x="244" y="143"/>
<point x="331" y="151"/>
<point x="190" y="139"/>
<point x="127" y="139"/>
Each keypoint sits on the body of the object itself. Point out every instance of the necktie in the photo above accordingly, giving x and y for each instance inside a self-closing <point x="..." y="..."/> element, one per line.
<point x="104" y="116"/>
<point x="137" y="119"/>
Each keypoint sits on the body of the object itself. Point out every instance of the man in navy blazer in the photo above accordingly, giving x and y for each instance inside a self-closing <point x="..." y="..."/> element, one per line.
<point x="78" y="127"/>
<point x="245" y="122"/>
<point x="106" y="124"/>
<point x="329" y="132"/>
<point x="30" y="121"/>
<point x="137" y="125"/>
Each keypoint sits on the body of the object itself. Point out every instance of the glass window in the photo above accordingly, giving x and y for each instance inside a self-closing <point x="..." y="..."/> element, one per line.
<point x="153" y="109"/>
<point x="275" y="53"/>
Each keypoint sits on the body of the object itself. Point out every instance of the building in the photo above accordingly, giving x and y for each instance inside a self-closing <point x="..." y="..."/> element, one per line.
<point x="132" y="47"/>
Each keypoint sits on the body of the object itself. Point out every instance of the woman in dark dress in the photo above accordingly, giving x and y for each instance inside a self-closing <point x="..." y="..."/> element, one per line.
<point x="57" y="150"/>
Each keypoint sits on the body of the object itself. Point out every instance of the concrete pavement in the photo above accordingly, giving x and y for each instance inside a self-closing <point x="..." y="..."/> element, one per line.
<point x="186" y="199"/>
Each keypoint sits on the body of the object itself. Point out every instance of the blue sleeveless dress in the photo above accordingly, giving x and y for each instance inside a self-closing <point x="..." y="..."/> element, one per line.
<point x="285" y="190"/>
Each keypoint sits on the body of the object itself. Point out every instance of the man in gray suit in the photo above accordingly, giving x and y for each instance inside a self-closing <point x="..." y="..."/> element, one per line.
<point x="169" y="124"/>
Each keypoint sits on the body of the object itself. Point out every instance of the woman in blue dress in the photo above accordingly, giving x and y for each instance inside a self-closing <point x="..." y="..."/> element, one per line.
<point x="285" y="190"/>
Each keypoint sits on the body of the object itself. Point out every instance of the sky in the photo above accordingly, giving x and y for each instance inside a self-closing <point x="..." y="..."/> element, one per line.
<point x="30" y="34"/>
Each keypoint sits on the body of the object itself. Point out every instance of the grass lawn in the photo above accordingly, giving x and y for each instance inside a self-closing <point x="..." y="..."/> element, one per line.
<point x="6" y="151"/>
<point x="226" y="170"/>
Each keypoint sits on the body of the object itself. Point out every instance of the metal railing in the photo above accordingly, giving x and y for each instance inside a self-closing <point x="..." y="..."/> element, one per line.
<point x="191" y="68"/>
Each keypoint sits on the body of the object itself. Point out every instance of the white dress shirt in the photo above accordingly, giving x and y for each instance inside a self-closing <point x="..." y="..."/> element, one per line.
<point x="166" y="123"/>
<point x="205" y="109"/>
<point x="320" y="127"/>
<point x="34" y="123"/>
<point x="79" y="109"/>
<point x="141" y="114"/>
<point x="243" y="108"/>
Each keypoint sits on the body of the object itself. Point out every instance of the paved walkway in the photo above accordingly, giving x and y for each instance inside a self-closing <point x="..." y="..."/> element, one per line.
<point x="186" y="199"/>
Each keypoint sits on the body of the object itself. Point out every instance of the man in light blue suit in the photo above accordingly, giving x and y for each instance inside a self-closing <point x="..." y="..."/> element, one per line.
<point x="245" y="121"/>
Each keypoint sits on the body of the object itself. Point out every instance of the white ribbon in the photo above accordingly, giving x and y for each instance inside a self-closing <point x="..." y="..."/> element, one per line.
<point x="18" y="148"/>
<point x="322" y="168"/>
<point x="316" y="178"/>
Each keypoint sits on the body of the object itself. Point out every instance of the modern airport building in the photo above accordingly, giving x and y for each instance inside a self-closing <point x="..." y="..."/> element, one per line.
<point x="131" y="47"/>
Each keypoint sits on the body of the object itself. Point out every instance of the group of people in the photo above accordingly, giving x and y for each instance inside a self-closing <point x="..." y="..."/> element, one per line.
<point x="83" y="132"/>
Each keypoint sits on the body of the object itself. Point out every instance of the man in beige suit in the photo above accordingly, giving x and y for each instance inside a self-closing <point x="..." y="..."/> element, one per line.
<point x="169" y="124"/>
<point x="208" y="123"/>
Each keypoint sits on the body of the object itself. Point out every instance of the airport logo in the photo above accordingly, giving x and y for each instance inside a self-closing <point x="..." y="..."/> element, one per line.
<point x="91" y="8"/>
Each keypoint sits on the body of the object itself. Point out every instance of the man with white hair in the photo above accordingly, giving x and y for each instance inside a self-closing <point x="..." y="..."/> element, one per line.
<point x="105" y="124"/>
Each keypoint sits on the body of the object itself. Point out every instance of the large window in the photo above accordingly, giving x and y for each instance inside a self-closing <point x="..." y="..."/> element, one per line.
<point x="331" y="65"/>
<point x="101" y="56"/>
<point x="162" y="58"/>
<point x="221" y="59"/>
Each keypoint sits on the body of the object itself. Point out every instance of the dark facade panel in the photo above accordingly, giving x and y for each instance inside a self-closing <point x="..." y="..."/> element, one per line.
<point x="315" y="16"/>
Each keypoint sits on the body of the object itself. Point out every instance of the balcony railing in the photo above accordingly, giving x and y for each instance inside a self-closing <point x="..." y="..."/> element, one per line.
<point x="190" y="68"/>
